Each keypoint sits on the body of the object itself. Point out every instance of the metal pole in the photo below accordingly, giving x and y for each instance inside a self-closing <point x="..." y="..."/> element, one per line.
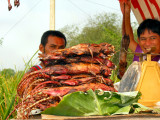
<point x="52" y="14"/>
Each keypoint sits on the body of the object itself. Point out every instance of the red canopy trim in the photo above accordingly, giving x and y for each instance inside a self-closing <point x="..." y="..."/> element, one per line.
<point x="144" y="9"/>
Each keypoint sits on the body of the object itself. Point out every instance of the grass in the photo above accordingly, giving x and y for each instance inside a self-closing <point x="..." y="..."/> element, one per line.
<point x="8" y="91"/>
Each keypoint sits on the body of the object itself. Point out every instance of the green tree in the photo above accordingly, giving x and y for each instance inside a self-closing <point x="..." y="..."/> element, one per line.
<point x="105" y="27"/>
<point x="7" y="72"/>
<point x="1" y="40"/>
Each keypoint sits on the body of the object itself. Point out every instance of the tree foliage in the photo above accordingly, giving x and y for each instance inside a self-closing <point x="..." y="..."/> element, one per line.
<point x="7" y="72"/>
<point x="1" y="40"/>
<point x="105" y="27"/>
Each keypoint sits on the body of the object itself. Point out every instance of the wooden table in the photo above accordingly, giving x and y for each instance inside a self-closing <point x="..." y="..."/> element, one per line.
<point x="114" y="117"/>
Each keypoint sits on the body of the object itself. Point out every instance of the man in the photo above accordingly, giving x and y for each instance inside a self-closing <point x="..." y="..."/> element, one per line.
<point x="50" y="41"/>
<point x="148" y="34"/>
<point x="149" y="37"/>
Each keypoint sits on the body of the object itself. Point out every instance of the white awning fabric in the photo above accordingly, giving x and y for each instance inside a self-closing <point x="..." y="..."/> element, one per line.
<point x="144" y="9"/>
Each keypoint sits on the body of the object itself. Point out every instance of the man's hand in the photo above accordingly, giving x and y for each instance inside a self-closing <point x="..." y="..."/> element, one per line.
<point x="125" y="6"/>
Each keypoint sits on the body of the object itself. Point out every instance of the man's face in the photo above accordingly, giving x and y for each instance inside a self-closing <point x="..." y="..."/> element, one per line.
<point x="52" y="44"/>
<point x="147" y="40"/>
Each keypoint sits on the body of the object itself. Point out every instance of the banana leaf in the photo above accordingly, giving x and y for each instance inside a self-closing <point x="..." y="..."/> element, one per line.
<point x="94" y="103"/>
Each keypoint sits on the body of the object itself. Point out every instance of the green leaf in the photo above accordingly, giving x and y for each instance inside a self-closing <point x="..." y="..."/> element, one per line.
<point x="93" y="103"/>
<point x="129" y="97"/>
<point x="139" y="108"/>
<point x="123" y="110"/>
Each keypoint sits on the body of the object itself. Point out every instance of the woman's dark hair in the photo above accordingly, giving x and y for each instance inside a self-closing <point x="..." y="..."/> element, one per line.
<point x="149" y="24"/>
<point x="44" y="38"/>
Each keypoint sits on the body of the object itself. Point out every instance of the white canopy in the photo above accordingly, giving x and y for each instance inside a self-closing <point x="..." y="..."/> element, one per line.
<point x="144" y="9"/>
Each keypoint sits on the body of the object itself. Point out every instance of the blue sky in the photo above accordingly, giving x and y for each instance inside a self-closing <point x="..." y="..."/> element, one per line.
<point x="22" y="27"/>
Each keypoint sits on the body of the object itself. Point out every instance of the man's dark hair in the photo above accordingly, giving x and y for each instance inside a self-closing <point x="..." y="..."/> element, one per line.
<point x="44" y="38"/>
<point x="149" y="24"/>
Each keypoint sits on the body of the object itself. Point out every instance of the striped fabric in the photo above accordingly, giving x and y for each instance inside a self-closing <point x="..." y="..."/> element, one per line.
<point x="144" y="9"/>
<point x="36" y="67"/>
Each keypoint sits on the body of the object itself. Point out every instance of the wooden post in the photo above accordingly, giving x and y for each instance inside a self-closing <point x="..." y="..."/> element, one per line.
<point x="52" y="14"/>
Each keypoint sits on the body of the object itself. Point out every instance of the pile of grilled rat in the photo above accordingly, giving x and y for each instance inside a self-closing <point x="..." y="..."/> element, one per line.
<point x="78" y="68"/>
